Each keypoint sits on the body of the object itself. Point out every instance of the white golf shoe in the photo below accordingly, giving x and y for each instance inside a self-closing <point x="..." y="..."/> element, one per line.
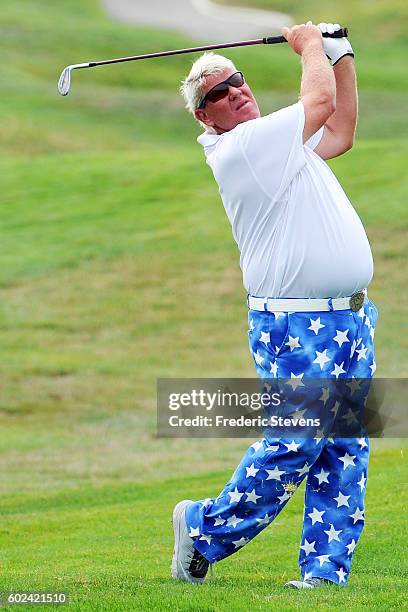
<point x="187" y="564"/>
<point x="309" y="583"/>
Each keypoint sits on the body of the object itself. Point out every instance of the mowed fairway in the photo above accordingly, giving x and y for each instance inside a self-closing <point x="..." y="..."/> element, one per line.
<point x="108" y="217"/>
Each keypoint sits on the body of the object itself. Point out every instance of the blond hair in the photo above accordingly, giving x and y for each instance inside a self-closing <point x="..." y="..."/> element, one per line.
<point x="192" y="87"/>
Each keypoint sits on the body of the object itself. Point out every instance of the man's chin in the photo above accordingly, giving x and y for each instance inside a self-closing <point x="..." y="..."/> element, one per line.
<point x="247" y="113"/>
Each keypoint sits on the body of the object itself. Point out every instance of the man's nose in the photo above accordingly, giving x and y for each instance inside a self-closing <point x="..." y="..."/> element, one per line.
<point x="234" y="92"/>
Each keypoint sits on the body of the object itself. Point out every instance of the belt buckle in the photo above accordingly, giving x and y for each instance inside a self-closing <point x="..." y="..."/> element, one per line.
<point x="357" y="301"/>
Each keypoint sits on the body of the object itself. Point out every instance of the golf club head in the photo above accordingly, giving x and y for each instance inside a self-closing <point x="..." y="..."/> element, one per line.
<point x="64" y="82"/>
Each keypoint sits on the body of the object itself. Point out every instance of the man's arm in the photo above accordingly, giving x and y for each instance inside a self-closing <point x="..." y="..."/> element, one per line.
<point x="318" y="87"/>
<point x="339" y="129"/>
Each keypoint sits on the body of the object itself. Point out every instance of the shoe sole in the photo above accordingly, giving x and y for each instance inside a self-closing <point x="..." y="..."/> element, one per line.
<point x="177" y="570"/>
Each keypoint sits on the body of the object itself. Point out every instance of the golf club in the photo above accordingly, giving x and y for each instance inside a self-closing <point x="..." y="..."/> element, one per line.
<point x="64" y="83"/>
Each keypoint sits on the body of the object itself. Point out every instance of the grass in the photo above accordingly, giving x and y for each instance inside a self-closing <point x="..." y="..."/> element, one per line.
<point x="108" y="216"/>
<point x="109" y="547"/>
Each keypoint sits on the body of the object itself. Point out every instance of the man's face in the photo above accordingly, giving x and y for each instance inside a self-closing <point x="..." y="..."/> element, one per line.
<point x="237" y="106"/>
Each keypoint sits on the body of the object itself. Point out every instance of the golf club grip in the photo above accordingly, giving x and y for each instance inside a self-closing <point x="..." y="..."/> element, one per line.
<point x="272" y="40"/>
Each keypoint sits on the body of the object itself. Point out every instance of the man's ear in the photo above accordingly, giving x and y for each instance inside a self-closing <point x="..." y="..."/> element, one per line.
<point x="201" y="115"/>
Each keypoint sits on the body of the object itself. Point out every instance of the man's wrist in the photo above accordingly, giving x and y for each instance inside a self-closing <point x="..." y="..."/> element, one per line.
<point x="313" y="47"/>
<point x="346" y="55"/>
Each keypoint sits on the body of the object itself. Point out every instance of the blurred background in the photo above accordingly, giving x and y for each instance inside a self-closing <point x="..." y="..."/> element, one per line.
<point x="109" y="220"/>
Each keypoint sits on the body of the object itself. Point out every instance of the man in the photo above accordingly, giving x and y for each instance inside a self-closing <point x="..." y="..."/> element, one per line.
<point x="306" y="264"/>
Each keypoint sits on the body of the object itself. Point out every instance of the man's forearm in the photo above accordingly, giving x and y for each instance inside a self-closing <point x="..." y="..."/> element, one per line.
<point x="317" y="75"/>
<point x="344" y="120"/>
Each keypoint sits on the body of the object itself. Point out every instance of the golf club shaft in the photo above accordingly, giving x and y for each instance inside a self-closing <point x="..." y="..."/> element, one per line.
<point x="272" y="40"/>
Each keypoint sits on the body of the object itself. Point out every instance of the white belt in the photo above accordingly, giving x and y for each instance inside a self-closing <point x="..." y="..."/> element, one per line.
<point x="353" y="302"/>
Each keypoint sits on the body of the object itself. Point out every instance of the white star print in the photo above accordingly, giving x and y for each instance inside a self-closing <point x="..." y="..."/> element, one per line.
<point x="233" y="521"/>
<point x="274" y="368"/>
<point x="307" y="575"/>
<point x="251" y="325"/>
<point x="322" y="476"/>
<point x="284" y="497"/>
<point x="362" y="353"/>
<point x="372" y="332"/>
<point x="341" y="574"/>
<point x="265" y="337"/>
<point x="361" y="313"/>
<point x="258" y="358"/>
<point x="275" y="474"/>
<point x="338" y="369"/>
<point x="298" y="414"/>
<point x="323" y="559"/>
<point x="335" y="408"/>
<point x="362" y="443"/>
<point x="325" y="395"/>
<point x="241" y="542"/>
<point x="206" y="502"/>
<point x="358" y="515"/>
<point x="272" y="449"/>
<point x="367" y="322"/>
<point x="218" y="521"/>
<point x="194" y="532"/>
<point x="353" y="384"/>
<point x="316" y="515"/>
<point x="342" y="500"/>
<point x="315" y="325"/>
<point x="206" y="538"/>
<point x="278" y="314"/>
<point x="373" y="368"/>
<point x="341" y="337"/>
<point x="321" y="358"/>
<point x="304" y="469"/>
<point x="235" y="496"/>
<point x="362" y="482"/>
<point x="293" y="343"/>
<point x="295" y="380"/>
<point x="352" y="546"/>
<point x="352" y="349"/>
<point x="350" y="417"/>
<point x="347" y="460"/>
<point x="252" y="496"/>
<point x="292" y="446"/>
<point x="332" y="534"/>
<point x="264" y="521"/>
<point x="308" y="547"/>
<point x="251" y="471"/>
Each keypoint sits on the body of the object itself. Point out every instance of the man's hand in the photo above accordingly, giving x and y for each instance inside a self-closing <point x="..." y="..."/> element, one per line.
<point x="300" y="37"/>
<point x="335" y="48"/>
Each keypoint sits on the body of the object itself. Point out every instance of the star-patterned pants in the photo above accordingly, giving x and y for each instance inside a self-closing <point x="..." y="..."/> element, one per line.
<point x="338" y="344"/>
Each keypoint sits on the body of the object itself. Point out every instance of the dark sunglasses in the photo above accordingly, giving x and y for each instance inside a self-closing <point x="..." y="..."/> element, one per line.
<point x="220" y="90"/>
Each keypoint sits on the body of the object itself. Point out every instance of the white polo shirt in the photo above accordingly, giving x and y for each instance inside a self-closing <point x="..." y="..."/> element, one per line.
<point x="297" y="232"/>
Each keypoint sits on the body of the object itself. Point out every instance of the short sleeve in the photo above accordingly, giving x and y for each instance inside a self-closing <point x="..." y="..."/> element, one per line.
<point x="273" y="148"/>
<point x="315" y="139"/>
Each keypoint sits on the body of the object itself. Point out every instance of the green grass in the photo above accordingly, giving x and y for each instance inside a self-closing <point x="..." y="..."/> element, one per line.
<point x="108" y="215"/>
<point x="110" y="546"/>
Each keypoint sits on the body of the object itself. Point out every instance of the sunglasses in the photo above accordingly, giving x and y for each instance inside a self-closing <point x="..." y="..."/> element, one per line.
<point x="221" y="89"/>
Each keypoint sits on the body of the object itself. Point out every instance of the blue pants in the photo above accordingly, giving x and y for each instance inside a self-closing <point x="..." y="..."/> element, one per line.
<point x="337" y="344"/>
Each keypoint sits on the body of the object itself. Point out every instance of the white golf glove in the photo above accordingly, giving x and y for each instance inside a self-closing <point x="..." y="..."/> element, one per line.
<point x="335" y="48"/>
